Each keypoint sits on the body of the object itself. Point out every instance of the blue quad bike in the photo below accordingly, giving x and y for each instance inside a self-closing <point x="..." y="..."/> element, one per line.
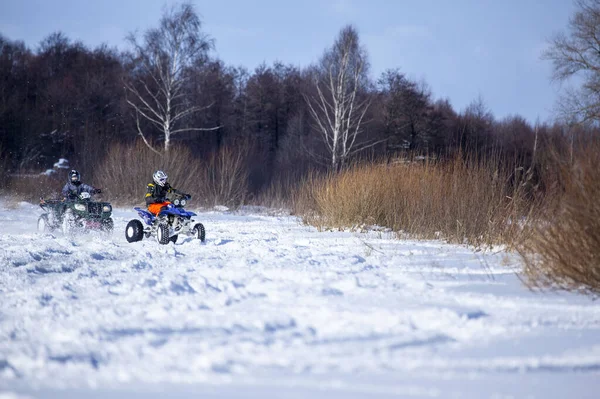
<point x="170" y="222"/>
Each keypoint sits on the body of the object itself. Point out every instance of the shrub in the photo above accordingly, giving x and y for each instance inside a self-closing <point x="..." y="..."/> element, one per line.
<point x="127" y="169"/>
<point x="460" y="201"/>
<point x="564" y="249"/>
<point x="226" y="178"/>
<point x="32" y="187"/>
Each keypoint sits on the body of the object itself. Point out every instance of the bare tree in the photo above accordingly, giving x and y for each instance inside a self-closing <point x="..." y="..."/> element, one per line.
<point x="157" y="89"/>
<point x="339" y="106"/>
<point x="579" y="54"/>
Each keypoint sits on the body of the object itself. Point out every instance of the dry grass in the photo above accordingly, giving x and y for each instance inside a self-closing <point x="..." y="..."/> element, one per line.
<point x="32" y="187"/>
<point x="127" y="169"/>
<point x="226" y="178"/>
<point x="564" y="251"/>
<point x="279" y="195"/>
<point x="457" y="201"/>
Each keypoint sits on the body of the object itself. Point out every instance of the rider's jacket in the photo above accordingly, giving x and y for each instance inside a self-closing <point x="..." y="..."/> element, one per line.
<point x="157" y="194"/>
<point x="72" y="190"/>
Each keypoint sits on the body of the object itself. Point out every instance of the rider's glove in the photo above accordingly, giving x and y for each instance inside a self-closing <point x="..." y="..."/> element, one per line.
<point x="97" y="191"/>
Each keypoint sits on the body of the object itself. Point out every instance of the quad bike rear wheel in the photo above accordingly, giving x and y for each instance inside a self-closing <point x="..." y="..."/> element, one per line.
<point x="134" y="231"/>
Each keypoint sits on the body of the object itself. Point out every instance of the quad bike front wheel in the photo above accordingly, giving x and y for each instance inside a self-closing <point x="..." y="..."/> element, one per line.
<point x="162" y="234"/>
<point x="108" y="225"/>
<point x="68" y="222"/>
<point x="199" y="232"/>
<point x="42" y="225"/>
<point x="134" y="231"/>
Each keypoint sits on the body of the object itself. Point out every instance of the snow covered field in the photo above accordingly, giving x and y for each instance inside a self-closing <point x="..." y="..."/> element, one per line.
<point x="268" y="307"/>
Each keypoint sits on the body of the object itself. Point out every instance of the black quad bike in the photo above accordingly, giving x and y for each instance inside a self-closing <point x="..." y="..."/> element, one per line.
<point x="170" y="222"/>
<point x="78" y="215"/>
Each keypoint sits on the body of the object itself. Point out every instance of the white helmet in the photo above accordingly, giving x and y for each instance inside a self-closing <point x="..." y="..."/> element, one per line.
<point x="160" y="177"/>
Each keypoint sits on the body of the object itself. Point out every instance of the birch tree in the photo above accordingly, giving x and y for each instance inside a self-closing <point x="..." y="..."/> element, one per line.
<point x="578" y="54"/>
<point x="160" y="71"/>
<point x="339" y="106"/>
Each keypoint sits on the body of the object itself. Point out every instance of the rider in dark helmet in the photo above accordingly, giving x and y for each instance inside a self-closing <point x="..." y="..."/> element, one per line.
<point x="75" y="187"/>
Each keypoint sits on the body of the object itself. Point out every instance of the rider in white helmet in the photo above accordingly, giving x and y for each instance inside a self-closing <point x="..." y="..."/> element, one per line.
<point x="156" y="192"/>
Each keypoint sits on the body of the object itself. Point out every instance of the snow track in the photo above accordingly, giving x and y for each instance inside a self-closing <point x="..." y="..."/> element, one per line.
<point x="270" y="307"/>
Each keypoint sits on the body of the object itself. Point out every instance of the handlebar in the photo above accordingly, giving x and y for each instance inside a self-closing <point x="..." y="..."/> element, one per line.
<point x="173" y="196"/>
<point x="178" y="199"/>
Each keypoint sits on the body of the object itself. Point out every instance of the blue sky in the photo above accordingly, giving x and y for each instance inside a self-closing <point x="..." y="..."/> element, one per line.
<point x="462" y="48"/>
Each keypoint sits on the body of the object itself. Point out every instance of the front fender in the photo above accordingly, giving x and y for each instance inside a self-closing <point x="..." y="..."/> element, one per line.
<point x="174" y="211"/>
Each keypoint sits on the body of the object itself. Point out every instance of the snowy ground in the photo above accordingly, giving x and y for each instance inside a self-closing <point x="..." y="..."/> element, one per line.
<point x="271" y="308"/>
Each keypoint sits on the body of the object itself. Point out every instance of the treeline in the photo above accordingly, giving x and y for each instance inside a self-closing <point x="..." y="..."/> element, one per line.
<point x="66" y="100"/>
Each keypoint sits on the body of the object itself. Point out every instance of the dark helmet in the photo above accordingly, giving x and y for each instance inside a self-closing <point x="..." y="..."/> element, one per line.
<point x="74" y="176"/>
